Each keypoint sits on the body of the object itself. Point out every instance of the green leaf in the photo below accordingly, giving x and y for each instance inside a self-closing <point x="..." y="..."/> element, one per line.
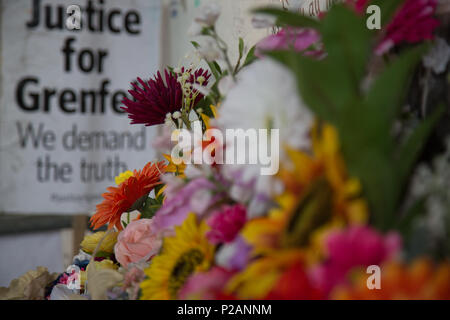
<point x="250" y="57"/>
<point x="288" y="18"/>
<point x="151" y="206"/>
<point x="386" y="94"/>
<point x="241" y="48"/>
<point x="195" y="44"/>
<point x="405" y="224"/>
<point x="347" y="43"/>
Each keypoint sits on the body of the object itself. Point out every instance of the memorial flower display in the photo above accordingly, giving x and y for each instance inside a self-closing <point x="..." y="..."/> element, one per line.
<point x="357" y="179"/>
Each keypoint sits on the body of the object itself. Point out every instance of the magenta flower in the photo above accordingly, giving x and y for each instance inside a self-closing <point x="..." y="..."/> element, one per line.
<point x="154" y="99"/>
<point x="298" y="39"/>
<point x="413" y="23"/>
<point x="350" y="248"/>
<point x="226" y="224"/>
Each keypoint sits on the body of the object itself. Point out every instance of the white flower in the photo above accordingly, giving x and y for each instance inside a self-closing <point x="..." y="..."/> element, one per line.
<point x="264" y="97"/>
<point x="209" y="51"/>
<point x="208" y="14"/>
<point x="194" y="30"/>
<point x="438" y="57"/>
<point x="225" y="85"/>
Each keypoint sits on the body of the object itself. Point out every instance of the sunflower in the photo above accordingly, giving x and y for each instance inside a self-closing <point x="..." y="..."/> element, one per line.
<point x="319" y="197"/>
<point x="182" y="255"/>
<point x="127" y="196"/>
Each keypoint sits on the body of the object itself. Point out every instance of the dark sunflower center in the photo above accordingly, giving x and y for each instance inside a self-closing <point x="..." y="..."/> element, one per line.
<point x="184" y="267"/>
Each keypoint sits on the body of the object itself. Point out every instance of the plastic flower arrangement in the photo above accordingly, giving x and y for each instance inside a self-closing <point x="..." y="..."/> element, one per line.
<point x="340" y="201"/>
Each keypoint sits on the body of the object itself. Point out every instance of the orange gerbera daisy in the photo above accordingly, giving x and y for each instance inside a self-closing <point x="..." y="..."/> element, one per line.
<point x="127" y="195"/>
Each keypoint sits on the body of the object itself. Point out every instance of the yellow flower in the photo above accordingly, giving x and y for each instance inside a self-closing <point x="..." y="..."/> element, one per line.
<point x="90" y="242"/>
<point x="319" y="197"/>
<point x="259" y="277"/>
<point x="174" y="168"/>
<point x="123" y="177"/>
<point x="183" y="254"/>
<point x="206" y="119"/>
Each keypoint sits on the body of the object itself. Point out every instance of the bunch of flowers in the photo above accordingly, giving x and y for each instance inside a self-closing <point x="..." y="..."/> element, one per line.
<point x="336" y="208"/>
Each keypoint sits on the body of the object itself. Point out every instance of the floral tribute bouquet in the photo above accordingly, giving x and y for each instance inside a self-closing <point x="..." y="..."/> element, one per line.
<point x="358" y="206"/>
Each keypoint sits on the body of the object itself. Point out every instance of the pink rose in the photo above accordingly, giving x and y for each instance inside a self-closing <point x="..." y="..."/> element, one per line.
<point x="139" y="241"/>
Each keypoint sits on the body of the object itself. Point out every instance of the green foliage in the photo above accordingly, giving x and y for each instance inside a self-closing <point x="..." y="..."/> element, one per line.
<point x="364" y="118"/>
<point x="150" y="206"/>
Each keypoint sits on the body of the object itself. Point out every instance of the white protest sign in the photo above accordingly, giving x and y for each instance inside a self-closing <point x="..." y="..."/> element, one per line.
<point x="63" y="136"/>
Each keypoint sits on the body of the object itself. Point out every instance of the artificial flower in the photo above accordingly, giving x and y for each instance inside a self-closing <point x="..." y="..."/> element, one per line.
<point x="182" y="255"/>
<point x="126" y="196"/>
<point x="91" y="241"/>
<point x="30" y="286"/>
<point x="226" y="223"/>
<point x="139" y="241"/>
<point x="356" y="246"/>
<point x="419" y="280"/>
<point x="105" y="264"/>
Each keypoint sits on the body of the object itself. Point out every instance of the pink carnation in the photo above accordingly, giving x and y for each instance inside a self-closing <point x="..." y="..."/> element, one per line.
<point x="139" y="241"/>
<point x="226" y="224"/>
<point x="353" y="247"/>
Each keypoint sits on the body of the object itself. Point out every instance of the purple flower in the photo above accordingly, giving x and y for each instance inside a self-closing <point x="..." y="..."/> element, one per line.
<point x="196" y="196"/>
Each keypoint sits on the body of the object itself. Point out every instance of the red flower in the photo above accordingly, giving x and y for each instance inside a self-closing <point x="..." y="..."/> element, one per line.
<point x="155" y="98"/>
<point x="122" y="198"/>
<point x="413" y="23"/>
<point x="294" y="284"/>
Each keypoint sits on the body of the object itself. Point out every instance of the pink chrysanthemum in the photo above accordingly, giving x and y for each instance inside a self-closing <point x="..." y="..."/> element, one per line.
<point x="154" y="99"/>
<point x="226" y="224"/>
